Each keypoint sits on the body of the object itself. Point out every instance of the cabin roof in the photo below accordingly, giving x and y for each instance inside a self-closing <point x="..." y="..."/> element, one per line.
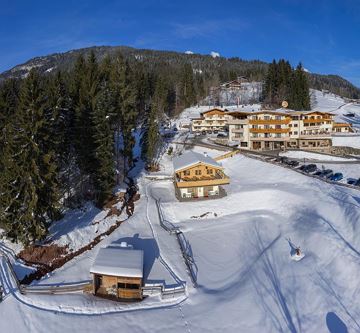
<point x="191" y="158"/>
<point x="214" y="110"/>
<point x="119" y="261"/>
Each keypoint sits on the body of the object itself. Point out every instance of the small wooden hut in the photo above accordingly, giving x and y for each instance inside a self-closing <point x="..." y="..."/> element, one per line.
<point x="118" y="272"/>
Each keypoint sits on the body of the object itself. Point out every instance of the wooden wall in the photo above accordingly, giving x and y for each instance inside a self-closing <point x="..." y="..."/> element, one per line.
<point x="202" y="168"/>
<point x="109" y="287"/>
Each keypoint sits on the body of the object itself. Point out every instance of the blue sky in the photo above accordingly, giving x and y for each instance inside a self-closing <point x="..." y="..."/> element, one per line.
<point x="323" y="34"/>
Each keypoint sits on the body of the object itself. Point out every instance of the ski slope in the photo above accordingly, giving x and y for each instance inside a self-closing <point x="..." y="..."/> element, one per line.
<point x="335" y="104"/>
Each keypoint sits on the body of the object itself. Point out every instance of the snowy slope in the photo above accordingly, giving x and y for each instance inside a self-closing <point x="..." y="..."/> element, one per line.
<point x="247" y="281"/>
<point x="337" y="105"/>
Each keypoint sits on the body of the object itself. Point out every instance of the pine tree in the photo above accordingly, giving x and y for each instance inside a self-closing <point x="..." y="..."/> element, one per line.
<point x="188" y="94"/>
<point x="8" y="168"/>
<point x="104" y="171"/>
<point x="36" y="200"/>
<point x="125" y="95"/>
<point x="300" y="98"/>
<point x="151" y="137"/>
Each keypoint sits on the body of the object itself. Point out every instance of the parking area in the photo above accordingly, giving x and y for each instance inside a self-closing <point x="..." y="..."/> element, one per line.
<point x="335" y="172"/>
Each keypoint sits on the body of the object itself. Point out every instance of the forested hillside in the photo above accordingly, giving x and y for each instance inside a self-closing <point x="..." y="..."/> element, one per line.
<point x="58" y="133"/>
<point x="69" y="122"/>
<point x="213" y="70"/>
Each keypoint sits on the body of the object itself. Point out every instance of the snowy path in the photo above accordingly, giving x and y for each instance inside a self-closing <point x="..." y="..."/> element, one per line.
<point x="167" y="243"/>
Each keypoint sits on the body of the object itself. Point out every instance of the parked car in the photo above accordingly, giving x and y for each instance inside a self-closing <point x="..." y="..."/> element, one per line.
<point x="351" y="181"/>
<point x="209" y="132"/>
<point x="302" y="168"/>
<point x="198" y="133"/>
<point x="203" y="132"/>
<point x="318" y="173"/>
<point x="357" y="182"/>
<point x="175" y="129"/>
<point x="215" y="131"/>
<point x="336" y="177"/>
<point x="292" y="163"/>
<point x="310" y="168"/>
<point x="221" y="135"/>
<point x="327" y="173"/>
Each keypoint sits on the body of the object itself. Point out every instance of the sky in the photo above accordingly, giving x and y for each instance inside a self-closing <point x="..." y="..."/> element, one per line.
<point x="322" y="34"/>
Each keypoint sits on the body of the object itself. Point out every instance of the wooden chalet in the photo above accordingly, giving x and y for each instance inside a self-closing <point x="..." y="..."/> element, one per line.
<point x="118" y="272"/>
<point x="198" y="176"/>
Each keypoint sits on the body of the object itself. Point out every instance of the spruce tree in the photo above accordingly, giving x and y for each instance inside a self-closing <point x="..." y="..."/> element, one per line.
<point x="188" y="93"/>
<point x="104" y="171"/>
<point x="36" y="200"/>
<point x="125" y="95"/>
<point x="151" y="138"/>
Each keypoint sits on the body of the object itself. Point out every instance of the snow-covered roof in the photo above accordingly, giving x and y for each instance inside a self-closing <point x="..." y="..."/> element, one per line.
<point x="119" y="261"/>
<point x="191" y="158"/>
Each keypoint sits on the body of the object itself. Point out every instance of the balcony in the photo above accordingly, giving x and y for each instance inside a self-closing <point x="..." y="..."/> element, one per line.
<point x="237" y="130"/>
<point x="269" y="121"/>
<point x="320" y="135"/>
<point x="271" y="138"/>
<point x="218" y="179"/>
<point x="269" y="130"/>
<point x="211" y="195"/>
<point x="238" y="121"/>
<point x="318" y="120"/>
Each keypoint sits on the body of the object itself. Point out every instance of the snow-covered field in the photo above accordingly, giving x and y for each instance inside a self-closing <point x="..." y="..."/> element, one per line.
<point x="337" y="105"/>
<point x="300" y="154"/>
<point x="349" y="141"/>
<point x="247" y="281"/>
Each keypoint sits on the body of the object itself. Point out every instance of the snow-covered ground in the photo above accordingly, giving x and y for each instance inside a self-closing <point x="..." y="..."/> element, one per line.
<point x="300" y="154"/>
<point x="246" y="279"/>
<point x="337" y="105"/>
<point x="349" y="141"/>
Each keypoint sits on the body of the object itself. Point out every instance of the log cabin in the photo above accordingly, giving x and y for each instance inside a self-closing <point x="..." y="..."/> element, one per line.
<point x="118" y="272"/>
<point x="198" y="176"/>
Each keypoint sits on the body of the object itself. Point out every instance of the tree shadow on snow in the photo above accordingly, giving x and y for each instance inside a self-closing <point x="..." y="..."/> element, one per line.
<point x="330" y="288"/>
<point x="150" y="248"/>
<point x="278" y="303"/>
<point x="335" y="324"/>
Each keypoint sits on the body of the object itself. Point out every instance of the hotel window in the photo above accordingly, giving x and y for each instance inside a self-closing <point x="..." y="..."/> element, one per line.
<point x="266" y="126"/>
<point x="278" y="135"/>
<point x="295" y="125"/>
<point x="278" y="117"/>
<point x="295" y="133"/>
<point x="267" y="117"/>
<point x="197" y="172"/>
<point x="278" y="126"/>
<point x="209" y="171"/>
<point x="187" y="173"/>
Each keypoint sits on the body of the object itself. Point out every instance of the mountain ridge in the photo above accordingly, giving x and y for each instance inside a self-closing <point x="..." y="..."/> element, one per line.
<point x="253" y="69"/>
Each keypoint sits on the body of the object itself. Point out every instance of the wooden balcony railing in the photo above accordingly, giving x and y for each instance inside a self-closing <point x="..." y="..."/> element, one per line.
<point x="269" y="130"/>
<point x="217" y="179"/>
<point x="270" y="121"/>
<point x="318" y="120"/>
